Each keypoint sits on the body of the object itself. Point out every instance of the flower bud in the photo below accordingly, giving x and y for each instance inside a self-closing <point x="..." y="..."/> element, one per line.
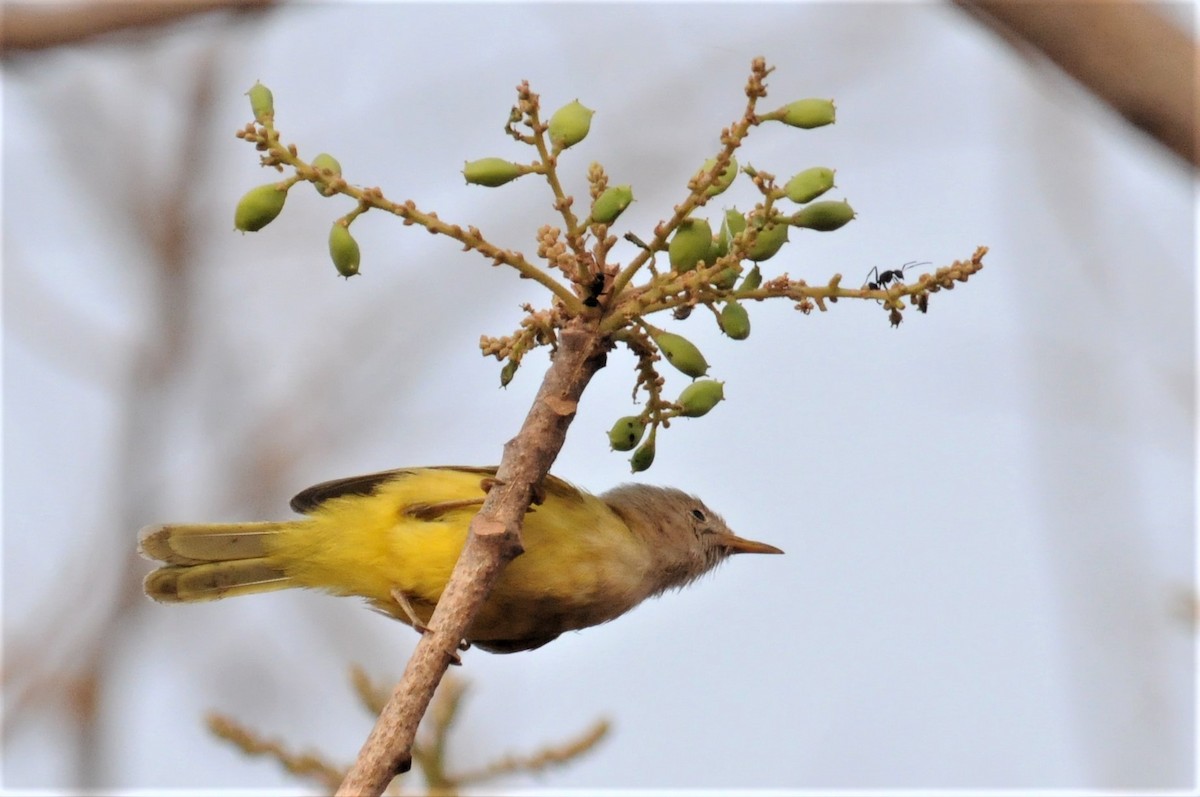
<point x="700" y="397"/>
<point x="261" y="103"/>
<point x="681" y="353"/>
<point x="809" y="184"/>
<point x="569" y="125"/>
<point x="771" y="237"/>
<point x="343" y="249"/>
<point x="259" y="207"/>
<point x="508" y="372"/>
<point x="643" y="457"/>
<point x="491" y="172"/>
<point x="722" y="180"/>
<point x="823" y="216"/>
<point x="611" y="204"/>
<point x="735" y="321"/>
<point x="626" y="433"/>
<point x="806" y="114"/>
<point x="691" y="243"/>
<point x="751" y="281"/>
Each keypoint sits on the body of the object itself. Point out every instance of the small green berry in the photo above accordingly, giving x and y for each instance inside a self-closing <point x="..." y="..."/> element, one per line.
<point x="261" y="103"/>
<point x="722" y="180"/>
<point x="508" y="372"/>
<point x="806" y="114"/>
<point x="770" y="239"/>
<point x="751" y="281"/>
<point x="699" y="398"/>
<point x="681" y="353"/>
<point x="691" y="243"/>
<point x="259" y="207"/>
<point x="643" y="458"/>
<point x="343" y="249"/>
<point x="491" y="172"/>
<point x="735" y="321"/>
<point x="626" y="433"/>
<point x="823" y="216"/>
<point x="569" y="125"/>
<point x="809" y="184"/>
<point x="611" y="204"/>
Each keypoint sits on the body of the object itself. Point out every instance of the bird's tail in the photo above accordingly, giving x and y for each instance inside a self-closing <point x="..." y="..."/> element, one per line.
<point x="203" y="562"/>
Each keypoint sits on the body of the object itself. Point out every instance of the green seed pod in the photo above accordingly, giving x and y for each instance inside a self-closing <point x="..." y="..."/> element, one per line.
<point x="751" y="281"/>
<point x="809" y="184"/>
<point x="700" y="397"/>
<point x="823" y="216"/>
<point x="261" y="103"/>
<point x="259" y="207"/>
<point x="691" y="243"/>
<point x="491" y="172"/>
<point x="344" y="250"/>
<point x="770" y="239"/>
<point x="735" y="321"/>
<point x="611" y="204"/>
<point x="725" y="279"/>
<point x="569" y="125"/>
<point x="643" y="458"/>
<point x="328" y="163"/>
<point x="626" y="433"/>
<point x="807" y="114"/>
<point x="508" y="372"/>
<point x="722" y="180"/>
<point x="681" y="353"/>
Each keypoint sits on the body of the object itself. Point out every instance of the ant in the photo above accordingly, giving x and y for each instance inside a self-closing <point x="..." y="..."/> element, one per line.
<point x="885" y="278"/>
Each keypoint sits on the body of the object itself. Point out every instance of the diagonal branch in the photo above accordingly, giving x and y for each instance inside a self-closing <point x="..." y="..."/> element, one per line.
<point x="494" y="540"/>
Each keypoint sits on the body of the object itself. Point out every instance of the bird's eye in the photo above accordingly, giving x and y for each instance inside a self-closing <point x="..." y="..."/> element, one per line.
<point x="696" y="513"/>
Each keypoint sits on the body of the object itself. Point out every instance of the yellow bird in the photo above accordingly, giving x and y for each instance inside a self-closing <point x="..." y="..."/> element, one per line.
<point x="393" y="538"/>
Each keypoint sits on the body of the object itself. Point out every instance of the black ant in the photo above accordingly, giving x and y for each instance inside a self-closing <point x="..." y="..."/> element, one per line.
<point x="885" y="278"/>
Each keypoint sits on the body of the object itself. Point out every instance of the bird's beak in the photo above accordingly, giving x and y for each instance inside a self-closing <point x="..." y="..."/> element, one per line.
<point x="736" y="544"/>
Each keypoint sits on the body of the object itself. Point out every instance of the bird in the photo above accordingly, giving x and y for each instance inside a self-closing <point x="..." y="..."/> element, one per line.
<point x="393" y="538"/>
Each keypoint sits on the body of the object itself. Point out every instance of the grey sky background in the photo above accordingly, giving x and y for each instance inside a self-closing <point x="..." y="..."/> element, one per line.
<point x="988" y="513"/>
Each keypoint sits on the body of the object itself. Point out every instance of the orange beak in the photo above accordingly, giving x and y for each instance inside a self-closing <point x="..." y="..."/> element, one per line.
<point x="736" y="544"/>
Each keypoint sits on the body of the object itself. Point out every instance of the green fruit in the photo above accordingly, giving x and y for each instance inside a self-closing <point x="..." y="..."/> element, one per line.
<point x="807" y="114"/>
<point x="343" y="249"/>
<point x="611" y="204"/>
<point x="508" y="372"/>
<point x="722" y="180"/>
<point x="626" y="433"/>
<point x="569" y="125"/>
<point x="681" y="353"/>
<point x="643" y="457"/>
<point x="327" y="162"/>
<point x="259" y="207"/>
<point x="809" y="184"/>
<point x="770" y="239"/>
<point x="491" y="172"/>
<point x="725" y="279"/>
<point x="751" y="281"/>
<point x="691" y="243"/>
<point x="823" y="216"/>
<point x="733" y="223"/>
<point x="700" y="397"/>
<point x="261" y="103"/>
<point x="735" y="321"/>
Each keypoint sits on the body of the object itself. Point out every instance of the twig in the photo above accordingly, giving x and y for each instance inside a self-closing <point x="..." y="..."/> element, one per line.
<point x="494" y="540"/>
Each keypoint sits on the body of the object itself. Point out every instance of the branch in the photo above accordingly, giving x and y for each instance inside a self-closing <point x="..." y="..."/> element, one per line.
<point x="41" y="26"/>
<point x="1127" y="54"/>
<point x="494" y="540"/>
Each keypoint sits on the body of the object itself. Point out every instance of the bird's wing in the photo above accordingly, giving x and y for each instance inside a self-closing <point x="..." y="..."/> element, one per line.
<point x="308" y="500"/>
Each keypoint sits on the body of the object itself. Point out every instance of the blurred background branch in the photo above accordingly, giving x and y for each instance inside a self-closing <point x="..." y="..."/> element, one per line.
<point x="37" y="26"/>
<point x="1128" y="54"/>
